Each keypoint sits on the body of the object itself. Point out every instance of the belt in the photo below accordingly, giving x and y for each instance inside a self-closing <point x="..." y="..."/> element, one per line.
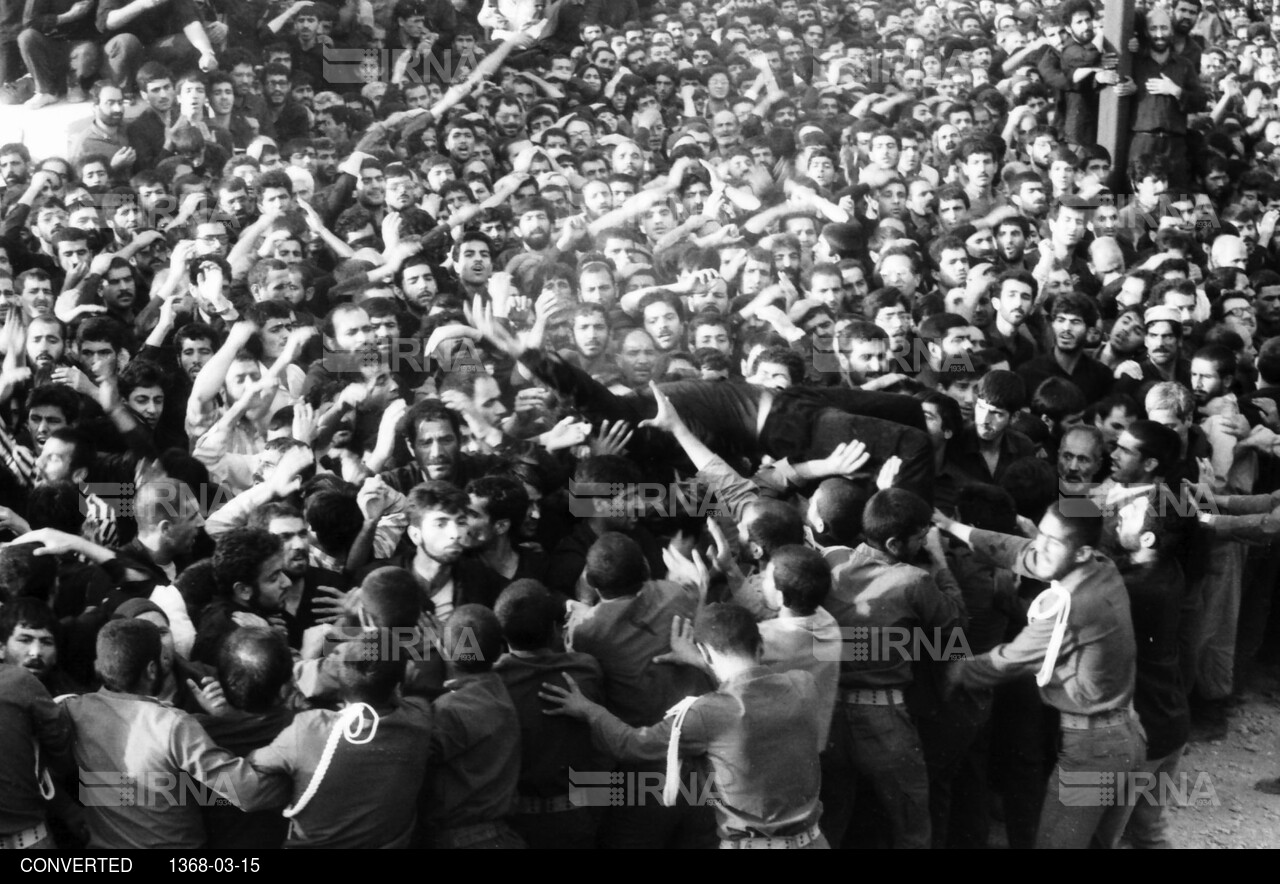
<point x="24" y="839"/>
<point x="872" y="697"/>
<point x="554" y="804"/>
<point x="792" y="842"/>
<point x="465" y="836"/>
<point x="1072" y="721"/>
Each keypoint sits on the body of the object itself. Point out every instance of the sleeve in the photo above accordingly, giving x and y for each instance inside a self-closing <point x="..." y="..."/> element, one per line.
<point x="628" y="743"/>
<point x="233" y="778"/>
<point x="450" y="736"/>
<point x="52" y="728"/>
<point x="934" y="606"/>
<point x="593" y="397"/>
<point x="734" y="491"/>
<point x="1258" y="528"/>
<point x="1005" y="550"/>
<point x="1247" y="504"/>
<point x="1024" y="655"/>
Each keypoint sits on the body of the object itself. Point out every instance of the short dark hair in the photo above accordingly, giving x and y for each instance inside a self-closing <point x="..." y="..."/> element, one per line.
<point x="472" y="638"/>
<point x="727" y="629"/>
<point x="239" y="555"/>
<point x="527" y="613"/>
<point x="803" y="577"/>
<point x="1003" y="389"/>
<point x="124" y="648"/>
<point x="615" y="566"/>
<point x="894" y="514"/>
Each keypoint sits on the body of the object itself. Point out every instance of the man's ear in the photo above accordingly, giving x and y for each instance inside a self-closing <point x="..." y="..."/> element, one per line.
<point x="1084" y="553"/>
<point x="242" y="592"/>
<point x="1147" y="540"/>
<point x="415" y="535"/>
<point x="79" y="475"/>
<point x="819" y="524"/>
<point x="756" y="550"/>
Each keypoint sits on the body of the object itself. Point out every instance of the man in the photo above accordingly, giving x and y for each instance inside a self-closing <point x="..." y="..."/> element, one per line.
<point x="626" y="632"/>
<point x="1168" y="90"/>
<point x="1163" y="362"/>
<point x="106" y="135"/>
<point x="1013" y="295"/>
<point x="248" y="564"/>
<point x="1082" y="456"/>
<point x="767" y="774"/>
<point x="33" y="733"/>
<point x="499" y="506"/>
<point x="876" y="587"/>
<point x="124" y="735"/>
<point x="473" y="757"/>
<point x="438" y="513"/>
<point x="1080" y="643"/>
<point x="1071" y="316"/>
<point x="990" y="445"/>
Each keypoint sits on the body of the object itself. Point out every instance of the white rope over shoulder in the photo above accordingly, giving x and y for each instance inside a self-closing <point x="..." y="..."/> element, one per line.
<point x="349" y="724"/>
<point x="1054" y="603"/>
<point x="671" y="788"/>
<point x="43" y="780"/>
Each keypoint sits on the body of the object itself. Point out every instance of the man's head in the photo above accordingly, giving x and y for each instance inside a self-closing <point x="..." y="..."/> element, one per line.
<point x="249" y="566"/>
<point x="128" y="656"/>
<point x="1145" y="451"/>
<point x="896" y="522"/>
<point x="168" y="517"/>
<point x="498" y="509"/>
<point x="1081" y="456"/>
<point x="28" y="636"/>
<point x="1000" y="395"/>
<point x="438" y="515"/>
<point x="1067" y="538"/>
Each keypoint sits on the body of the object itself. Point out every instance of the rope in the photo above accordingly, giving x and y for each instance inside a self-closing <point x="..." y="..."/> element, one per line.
<point x="671" y="788"/>
<point x="348" y="725"/>
<point x="43" y="780"/>
<point x="1054" y="602"/>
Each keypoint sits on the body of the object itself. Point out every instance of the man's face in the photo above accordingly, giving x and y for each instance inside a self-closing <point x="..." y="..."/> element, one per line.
<point x="436" y="448"/>
<point x="1162" y="343"/>
<point x="275" y="200"/>
<point x="54" y="462"/>
<point x="1184" y="17"/>
<point x="1127" y="334"/>
<point x="147" y="404"/>
<point x="953" y="268"/>
<point x="33" y="649"/>
<point x="663" y="324"/>
<point x="1033" y="198"/>
<point x="1056" y="552"/>
<point x="1113" y="425"/>
<point x="534" y="227"/>
<point x="1078" y="460"/>
<point x="37" y="298"/>
<point x="637" y="358"/>
<point x="1068" y="227"/>
<point x="193" y="354"/>
<point x="73" y="254"/>
<point x="276" y="89"/>
<point x="487" y="399"/>
<point x="867" y="360"/>
<point x="1206" y="383"/>
<point x="271" y="584"/>
<point x="596" y="287"/>
<point x="1015" y="301"/>
<point x="590" y="334"/>
<point x="475" y="262"/>
<point x="353" y="331"/>
<point x="159" y="95"/>
<point x="119" y="290"/>
<point x="1127" y="463"/>
<point x="989" y="421"/>
<point x="42" y="421"/>
<point x="1069" y="332"/>
<point x="13" y="169"/>
<point x="439" y="535"/>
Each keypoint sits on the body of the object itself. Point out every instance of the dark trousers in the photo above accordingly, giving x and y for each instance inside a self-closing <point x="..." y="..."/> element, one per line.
<point x="879" y="745"/>
<point x="1072" y="814"/>
<point x="957" y="787"/>
<point x="1020" y="730"/>
<point x="57" y="64"/>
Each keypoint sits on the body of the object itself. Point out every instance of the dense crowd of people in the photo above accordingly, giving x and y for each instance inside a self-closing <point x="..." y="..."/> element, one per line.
<point x="611" y="425"/>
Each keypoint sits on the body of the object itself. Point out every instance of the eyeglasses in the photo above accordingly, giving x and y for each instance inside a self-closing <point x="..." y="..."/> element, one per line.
<point x="1240" y="312"/>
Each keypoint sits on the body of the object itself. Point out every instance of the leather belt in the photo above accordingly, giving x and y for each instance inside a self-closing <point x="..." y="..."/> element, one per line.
<point x="872" y="697"/>
<point x="24" y="839"/>
<point x="1074" y="722"/>
<point x="792" y="842"/>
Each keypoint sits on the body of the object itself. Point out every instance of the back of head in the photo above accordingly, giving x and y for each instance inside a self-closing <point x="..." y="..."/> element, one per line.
<point x="727" y="629"/>
<point x="471" y="639"/>
<point x="1159" y="442"/>
<point x="774" y="524"/>
<point x="527" y="613"/>
<point x="23" y="574"/>
<point x="802" y="576"/>
<point x="840" y="503"/>
<point x="1032" y="482"/>
<point x="616" y="566"/>
<point x="894" y="514"/>
<point x="253" y="665"/>
<point x="159" y="500"/>
<point x="124" y="649"/>
<point x="391" y="598"/>
<point x="368" y="672"/>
